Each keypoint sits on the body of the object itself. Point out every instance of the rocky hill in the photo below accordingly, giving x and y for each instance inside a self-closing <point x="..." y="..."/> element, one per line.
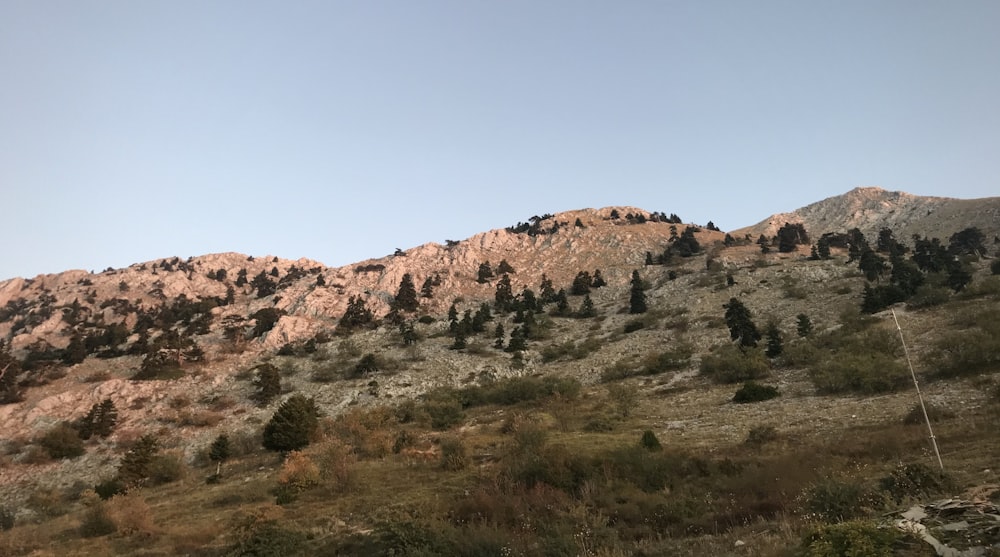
<point x="180" y="346"/>
<point x="871" y="208"/>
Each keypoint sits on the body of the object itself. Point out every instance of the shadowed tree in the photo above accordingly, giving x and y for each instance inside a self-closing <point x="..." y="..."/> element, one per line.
<point x="504" y="296"/>
<point x="740" y="322"/>
<point x="406" y="296"/>
<point x="637" y="295"/>
<point x="581" y="284"/>
<point x="293" y="424"/>
<point x="356" y="316"/>
<point x="485" y="273"/>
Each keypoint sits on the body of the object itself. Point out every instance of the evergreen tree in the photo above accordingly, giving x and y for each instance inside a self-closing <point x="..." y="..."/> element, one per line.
<point x="427" y="289"/>
<point x="136" y="465"/>
<point x="546" y="292"/>
<point x="578" y="223"/>
<point x="886" y="243"/>
<point x="637" y="295"/>
<point x="10" y="368"/>
<point x="764" y="243"/>
<point x="518" y="342"/>
<point x="774" y="341"/>
<point x="598" y="280"/>
<point x="356" y="316"/>
<point x="264" y="285"/>
<point x="460" y="342"/>
<point x="408" y="333"/>
<point x="485" y="273"/>
<point x="527" y="300"/>
<point x="76" y="352"/>
<point x="293" y="425"/>
<point x="649" y="258"/>
<point x="728" y="241"/>
<point x="871" y="264"/>
<point x="562" y="303"/>
<point x="241" y="278"/>
<point x="856" y="244"/>
<point x="791" y="235"/>
<point x="740" y="323"/>
<point x="804" y="325"/>
<point x="823" y="247"/>
<point x="219" y="450"/>
<point x="587" y="308"/>
<point x="929" y="255"/>
<point x="504" y="268"/>
<point x="499" y="334"/>
<point x="453" y="313"/>
<point x="967" y="242"/>
<point x="406" y="296"/>
<point x="504" y="296"/>
<point x="267" y="384"/>
<point x="581" y="284"/>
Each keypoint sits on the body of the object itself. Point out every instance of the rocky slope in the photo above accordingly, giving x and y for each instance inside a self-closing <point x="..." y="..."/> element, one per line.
<point x="871" y="209"/>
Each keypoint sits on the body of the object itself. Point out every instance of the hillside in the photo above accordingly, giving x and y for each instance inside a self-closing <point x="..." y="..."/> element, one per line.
<point x="515" y="430"/>
<point x="871" y="209"/>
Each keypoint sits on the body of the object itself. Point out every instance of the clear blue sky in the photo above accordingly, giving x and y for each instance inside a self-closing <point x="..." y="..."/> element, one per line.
<point x="341" y="130"/>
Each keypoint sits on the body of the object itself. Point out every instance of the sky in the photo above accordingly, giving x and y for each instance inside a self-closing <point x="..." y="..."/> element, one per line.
<point x="340" y="130"/>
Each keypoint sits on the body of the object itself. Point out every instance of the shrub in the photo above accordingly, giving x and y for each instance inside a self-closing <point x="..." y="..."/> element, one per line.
<point x="634" y="325"/>
<point x="850" y="538"/>
<point x="867" y="373"/>
<point x="167" y="468"/>
<point x="130" y="514"/>
<point x="928" y="296"/>
<point x="453" y="454"/>
<point x="967" y="352"/>
<point x="298" y="472"/>
<point x="443" y="413"/>
<point x="913" y="480"/>
<point x="97" y="521"/>
<point x="732" y="364"/>
<point x="62" y="441"/>
<point x="836" y="501"/>
<point x="623" y="397"/>
<point x="761" y="434"/>
<point x="649" y="441"/>
<point x="755" y="392"/>
<point x="7" y="518"/>
<point x="264" y="537"/>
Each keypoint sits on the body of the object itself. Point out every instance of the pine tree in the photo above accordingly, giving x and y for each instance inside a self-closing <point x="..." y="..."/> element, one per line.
<point x="219" y="451"/>
<point x="499" y="334"/>
<point x="356" y="316"/>
<point x="598" y="280"/>
<point x="740" y="323"/>
<point x="546" y="292"/>
<point x="504" y="268"/>
<point x="504" y="296"/>
<point x="293" y="425"/>
<point x="136" y="465"/>
<point x="637" y="296"/>
<point x="518" y="342"/>
<point x="774" y="341"/>
<point x="427" y="289"/>
<point x="581" y="284"/>
<point x="406" y="296"/>
<point x="804" y="325"/>
<point x="485" y="273"/>
<point x="267" y="383"/>
<point x="587" y="308"/>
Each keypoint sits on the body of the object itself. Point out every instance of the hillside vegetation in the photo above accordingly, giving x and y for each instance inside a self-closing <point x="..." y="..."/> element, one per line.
<point x="607" y="382"/>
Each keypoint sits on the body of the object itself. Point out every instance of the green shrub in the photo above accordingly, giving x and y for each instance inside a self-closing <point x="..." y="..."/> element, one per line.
<point x="732" y="364"/>
<point x="752" y="391"/>
<point x="856" y="538"/>
<point x="62" y="441"/>
<point x="914" y="480"/>
<point x="167" y="468"/>
<point x="967" y="352"/>
<point x="929" y="296"/>
<point x="444" y="413"/>
<point x="267" y="538"/>
<point x="836" y="501"/>
<point x="649" y="441"/>
<point x="866" y="373"/>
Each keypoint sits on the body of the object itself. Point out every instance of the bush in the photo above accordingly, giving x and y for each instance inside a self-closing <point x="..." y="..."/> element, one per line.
<point x="167" y="468"/>
<point x="761" y="434"/>
<point x="444" y="414"/>
<point x="850" y="538"/>
<point x="913" y="480"/>
<point x="298" y="472"/>
<point x="97" y="521"/>
<point x="453" y="454"/>
<point x="731" y="364"/>
<point x="7" y="517"/>
<point x="836" y="501"/>
<point x="928" y="296"/>
<point x="866" y="373"/>
<point x="755" y="392"/>
<point x="935" y="413"/>
<point x="649" y="441"/>
<point x="62" y="441"/>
